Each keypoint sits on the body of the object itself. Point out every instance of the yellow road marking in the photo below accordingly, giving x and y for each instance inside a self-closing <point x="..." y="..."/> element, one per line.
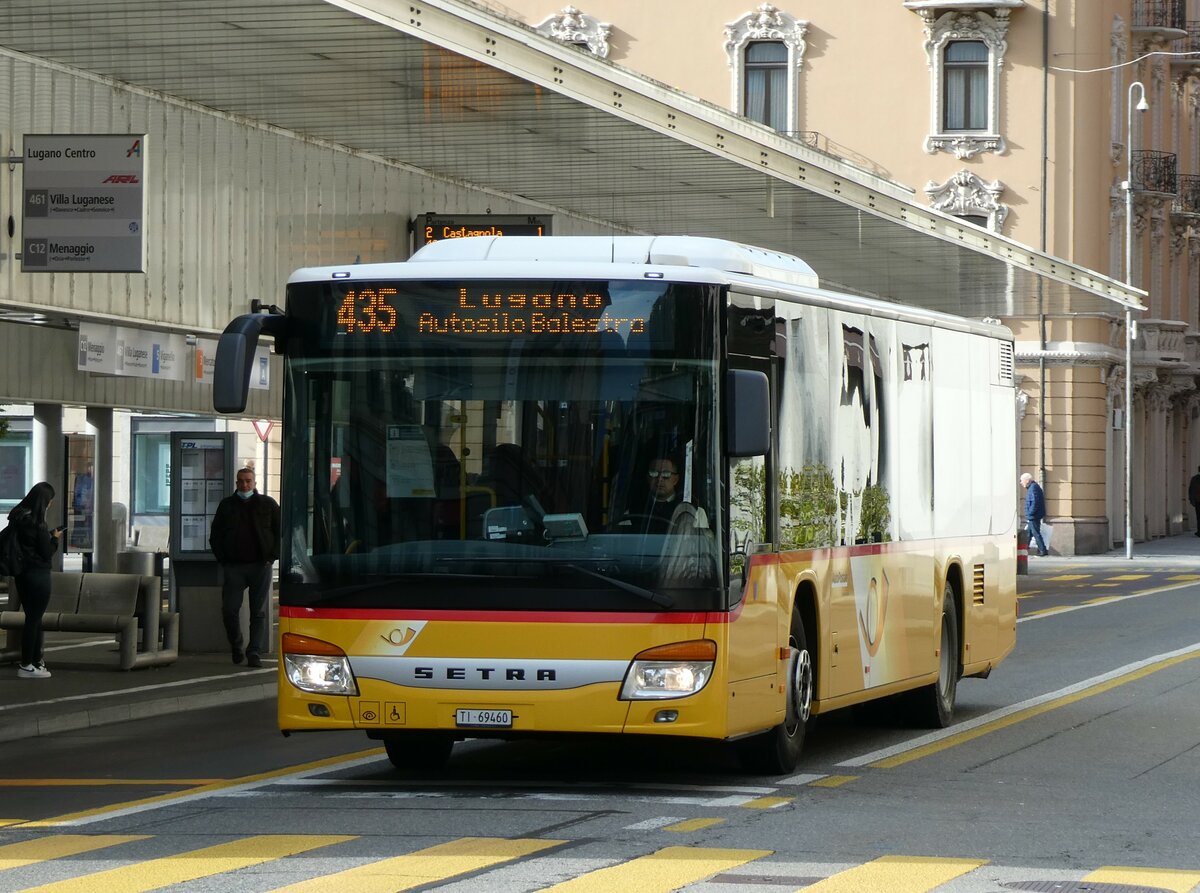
<point x="1057" y="610"/>
<point x="1129" y="577"/>
<point x="4" y="822"/>
<point x="833" y="781"/>
<point x="1102" y="599"/>
<point x="1159" y="878"/>
<point x="766" y="802"/>
<point x="30" y="852"/>
<point x="154" y="874"/>
<point x="435" y="863"/>
<point x="1021" y="715"/>
<point x="1184" y="578"/>
<point x="203" y="789"/>
<point x="1063" y="578"/>
<point x="693" y="825"/>
<point x="1103" y="585"/>
<point x="101" y="782"/>
<point x="669" y="869"/>
<point x="896" y="874"/>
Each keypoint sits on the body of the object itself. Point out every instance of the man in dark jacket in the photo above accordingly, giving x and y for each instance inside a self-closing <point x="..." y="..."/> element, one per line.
<point x="245" y="540"/>
<point x="1035" y="510"/>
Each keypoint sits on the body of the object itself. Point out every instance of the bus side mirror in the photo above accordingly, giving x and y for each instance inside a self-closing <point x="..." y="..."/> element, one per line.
<point x="747" y="413"/>
<point x="235" y="358"/>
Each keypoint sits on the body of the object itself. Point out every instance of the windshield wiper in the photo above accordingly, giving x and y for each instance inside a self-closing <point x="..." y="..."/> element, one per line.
<point x="657" y="597"/>
<point x="330" y="596"/>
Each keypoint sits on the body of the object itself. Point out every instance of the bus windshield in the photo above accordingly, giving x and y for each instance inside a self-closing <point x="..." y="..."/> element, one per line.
<point x="503" y="445"/>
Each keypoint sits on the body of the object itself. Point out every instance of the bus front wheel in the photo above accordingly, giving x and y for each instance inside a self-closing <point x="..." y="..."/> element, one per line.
<point x="418" y="750"/>
<point x="777" y="751"/>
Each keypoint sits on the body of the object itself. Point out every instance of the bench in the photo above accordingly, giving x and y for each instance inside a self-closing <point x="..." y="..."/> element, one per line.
<point x="129" y="605"/>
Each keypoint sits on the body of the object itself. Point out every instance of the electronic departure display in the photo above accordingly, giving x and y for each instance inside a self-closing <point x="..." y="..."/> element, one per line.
<point x="436" y="227"/>
<point x="479" y="308"/>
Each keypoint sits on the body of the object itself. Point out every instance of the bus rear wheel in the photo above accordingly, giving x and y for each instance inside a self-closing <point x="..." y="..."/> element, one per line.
<point x="934" y="704"/>
<point x="418" y="750"/>
<point x="777" y="751"/>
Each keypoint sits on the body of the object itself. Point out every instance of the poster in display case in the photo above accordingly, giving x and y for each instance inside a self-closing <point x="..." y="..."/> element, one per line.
<point x="80" y="487"/>
<point x="203" y="475"/>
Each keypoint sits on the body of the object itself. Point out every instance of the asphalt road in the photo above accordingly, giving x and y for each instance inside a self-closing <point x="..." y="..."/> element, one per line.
<point x="1073" y="768"/>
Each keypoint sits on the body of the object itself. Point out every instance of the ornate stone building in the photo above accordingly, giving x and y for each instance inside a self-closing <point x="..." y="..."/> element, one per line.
<point x="1026" y="117"/>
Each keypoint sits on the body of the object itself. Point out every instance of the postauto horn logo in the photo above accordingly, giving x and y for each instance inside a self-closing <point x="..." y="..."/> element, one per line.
<point x="403" y="635"/>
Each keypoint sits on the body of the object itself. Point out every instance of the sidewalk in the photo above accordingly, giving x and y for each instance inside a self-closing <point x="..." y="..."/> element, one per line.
<point x="1181" y="551"/>
<point x="88" y="690"/>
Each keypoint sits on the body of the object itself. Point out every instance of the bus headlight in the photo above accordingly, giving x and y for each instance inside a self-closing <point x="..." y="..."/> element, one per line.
<point x="316" y="666"/>
<point x="670" y="671"/>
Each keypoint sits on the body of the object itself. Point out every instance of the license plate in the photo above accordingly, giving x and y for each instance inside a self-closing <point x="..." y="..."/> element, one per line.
<point x="483" y="719"/>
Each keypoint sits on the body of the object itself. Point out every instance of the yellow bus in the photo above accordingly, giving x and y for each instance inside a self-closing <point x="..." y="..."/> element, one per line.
<point x="663" y="486"/>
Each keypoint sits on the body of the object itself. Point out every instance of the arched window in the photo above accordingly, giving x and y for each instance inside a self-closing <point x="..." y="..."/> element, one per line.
<point x="765" y="49"/>
<point x="966" y="48"/>
<point x="965" y="68"/>
<point x="766" y="78"/>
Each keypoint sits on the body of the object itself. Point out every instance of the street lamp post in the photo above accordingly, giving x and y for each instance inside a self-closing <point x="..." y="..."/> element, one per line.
<point x="1142" y="106"/>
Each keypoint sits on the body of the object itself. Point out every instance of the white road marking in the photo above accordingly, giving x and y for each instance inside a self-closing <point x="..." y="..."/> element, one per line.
<point x="986" y="718"/>
<point x="650" y="824"/>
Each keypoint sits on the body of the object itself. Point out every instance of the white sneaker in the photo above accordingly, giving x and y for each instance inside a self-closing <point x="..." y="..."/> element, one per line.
<point x="32" y="671"/>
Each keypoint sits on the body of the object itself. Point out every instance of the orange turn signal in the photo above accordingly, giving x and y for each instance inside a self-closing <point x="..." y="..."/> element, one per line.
<point x="296" y="644"/>
<point x="697" y="649"/>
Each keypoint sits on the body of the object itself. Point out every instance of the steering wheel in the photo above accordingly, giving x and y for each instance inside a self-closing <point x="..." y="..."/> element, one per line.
<point x="648" y="521"/>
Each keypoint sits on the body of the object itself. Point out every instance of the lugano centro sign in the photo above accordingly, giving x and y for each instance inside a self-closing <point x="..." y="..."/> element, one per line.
<point x="84" y="203"/>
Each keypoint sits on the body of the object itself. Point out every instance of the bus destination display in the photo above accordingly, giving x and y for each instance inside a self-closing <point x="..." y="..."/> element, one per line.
<point x="436" y="227"/>
<point x="486" y="309"/>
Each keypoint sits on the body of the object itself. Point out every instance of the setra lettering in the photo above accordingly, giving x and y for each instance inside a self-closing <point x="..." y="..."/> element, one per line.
<point x="511" y="674"/>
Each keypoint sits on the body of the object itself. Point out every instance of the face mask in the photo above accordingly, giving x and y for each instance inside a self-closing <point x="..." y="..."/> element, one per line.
<point x="245" y="494"/>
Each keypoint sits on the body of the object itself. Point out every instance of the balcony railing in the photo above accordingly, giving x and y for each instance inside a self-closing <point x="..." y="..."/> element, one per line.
<point x="1188" y="199"/>
<point x="1154" y="172"/>
<point x="823" y="144"/>
<point x="1160" y="14"/>
<point x="1191" y="44"/>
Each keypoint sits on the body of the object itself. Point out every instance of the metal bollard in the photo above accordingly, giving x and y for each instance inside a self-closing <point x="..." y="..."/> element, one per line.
<point x="1022" y="551"/>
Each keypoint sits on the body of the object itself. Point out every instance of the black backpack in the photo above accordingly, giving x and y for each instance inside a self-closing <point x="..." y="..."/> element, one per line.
<point x="12" y="556"/>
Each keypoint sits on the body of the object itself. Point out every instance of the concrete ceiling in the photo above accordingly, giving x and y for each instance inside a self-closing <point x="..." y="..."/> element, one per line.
<point x="451" y="89"/>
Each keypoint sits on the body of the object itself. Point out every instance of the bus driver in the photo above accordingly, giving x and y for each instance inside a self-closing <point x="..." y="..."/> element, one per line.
<point x="663" y="475"/>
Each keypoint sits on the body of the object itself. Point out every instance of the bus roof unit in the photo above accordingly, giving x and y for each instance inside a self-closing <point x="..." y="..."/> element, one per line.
<point x="675" y="251"/>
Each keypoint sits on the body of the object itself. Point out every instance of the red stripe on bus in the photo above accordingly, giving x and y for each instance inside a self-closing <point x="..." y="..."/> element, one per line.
<point x="826" y="553"/>
<point x="297" y="612"/>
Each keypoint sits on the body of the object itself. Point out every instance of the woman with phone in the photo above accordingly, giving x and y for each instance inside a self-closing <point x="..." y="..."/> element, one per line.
<point x="38" y="544"/>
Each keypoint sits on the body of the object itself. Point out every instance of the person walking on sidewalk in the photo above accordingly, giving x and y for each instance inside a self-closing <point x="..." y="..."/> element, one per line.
<point x="245" y="541"/>
<point x="1194" y="497"/>
<point x="37" y="544"/>
<point x="1035" y="511"/>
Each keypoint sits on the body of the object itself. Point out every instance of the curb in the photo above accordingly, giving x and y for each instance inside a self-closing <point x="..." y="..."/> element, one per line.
<point x="14" y="727"/>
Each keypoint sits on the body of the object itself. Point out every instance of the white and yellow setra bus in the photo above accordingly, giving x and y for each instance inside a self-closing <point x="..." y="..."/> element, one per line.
<point x="656" y="486"/>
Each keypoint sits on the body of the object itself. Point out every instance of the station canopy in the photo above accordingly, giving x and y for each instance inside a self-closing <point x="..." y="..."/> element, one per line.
<point x="451" y="88"/>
